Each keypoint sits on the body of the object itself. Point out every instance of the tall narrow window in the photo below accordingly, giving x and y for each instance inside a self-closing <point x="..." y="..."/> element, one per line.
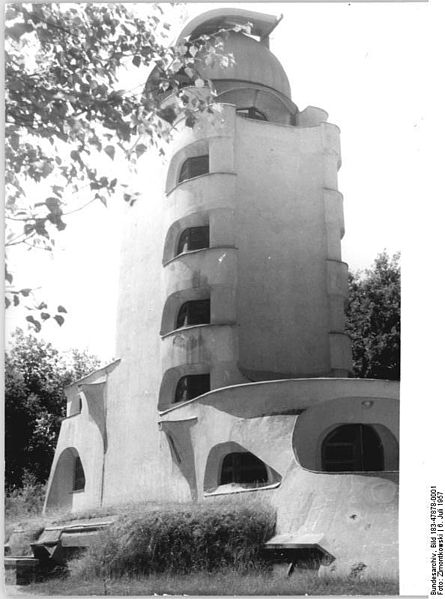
<point x="194" y="238"/>
<point x="242" y="468"/>
<point x="251" y="113"/>
<point x="79" y="476"/>
<point x="191" y="386"/>
<point x="352" y="448"/>
<point x="193" y="167"/>
<point x="194" y="312"/>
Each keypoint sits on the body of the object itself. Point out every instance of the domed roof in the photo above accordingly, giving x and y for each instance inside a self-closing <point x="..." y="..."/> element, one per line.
<point x="254" y="62"/>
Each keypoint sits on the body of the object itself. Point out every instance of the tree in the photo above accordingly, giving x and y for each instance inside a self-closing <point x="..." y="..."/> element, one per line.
<point x="373" y="319"/>
<point x="35" y="375"/>
<point x="64" y="110"/>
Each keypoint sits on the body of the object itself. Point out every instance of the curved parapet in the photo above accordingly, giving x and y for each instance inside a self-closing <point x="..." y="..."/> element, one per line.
<point x="324" y="450"/>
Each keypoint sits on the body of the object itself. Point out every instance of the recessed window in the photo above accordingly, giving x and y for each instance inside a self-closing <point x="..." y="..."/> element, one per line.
<point x="352" y="448"/>
<point x="193" y="167"/>
<point x="191" y="386"/>
<point x="194" y="312"/>
<point x="79" y="476"/>
<point x="242" y="468"/>
<point x="251" y="113"/>
<point x="195" y="238"/>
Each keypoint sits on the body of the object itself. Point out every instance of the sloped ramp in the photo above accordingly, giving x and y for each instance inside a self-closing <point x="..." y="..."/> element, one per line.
<point x="298" y="551"/>
<point x="59" y="543"/>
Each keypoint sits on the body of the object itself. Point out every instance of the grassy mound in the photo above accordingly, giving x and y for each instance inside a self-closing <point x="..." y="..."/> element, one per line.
<point x="181" y="538"/>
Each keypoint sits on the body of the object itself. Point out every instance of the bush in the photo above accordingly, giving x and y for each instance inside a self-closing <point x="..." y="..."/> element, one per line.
<point x="23" y="509"/>
<point x="21" y="504"/>
<point x="182" y="539"/>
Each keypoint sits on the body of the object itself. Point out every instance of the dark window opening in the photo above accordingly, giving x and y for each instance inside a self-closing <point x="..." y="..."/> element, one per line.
<point x="193" y="167"/>
<point x="242" y="468"/>
<point x="79" y="476"/>
<point x="195" y="312"/>
<point x="191" y="386"/>
<point x="195" y="238"/>
<point x="251" y="113"/>
<point x="352" y="448"/>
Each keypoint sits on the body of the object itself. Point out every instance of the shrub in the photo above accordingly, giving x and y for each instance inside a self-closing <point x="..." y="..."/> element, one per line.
<point x="182" y="539"/>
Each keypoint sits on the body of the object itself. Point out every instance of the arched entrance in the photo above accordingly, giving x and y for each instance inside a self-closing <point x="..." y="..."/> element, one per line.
<point x="69" y="477"/>
<point x="352" y="448"/>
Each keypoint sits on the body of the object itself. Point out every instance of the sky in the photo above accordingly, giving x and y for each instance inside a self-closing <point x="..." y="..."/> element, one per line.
<point x="377" y="69"/>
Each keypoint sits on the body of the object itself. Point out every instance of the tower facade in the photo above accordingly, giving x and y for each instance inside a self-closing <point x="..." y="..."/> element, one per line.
<point x="233" y="365"/>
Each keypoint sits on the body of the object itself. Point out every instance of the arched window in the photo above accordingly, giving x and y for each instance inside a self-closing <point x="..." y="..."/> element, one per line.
<point x="191" y="386"/>
<point x="194" y="312"/>
<point x="194" y="238"/>
<point x="242" y="468"/>
<point x="352" y="448"/>
<point x="79" y="476"/>
<point x="251" y="113"/>
<point x="193" y="167"/>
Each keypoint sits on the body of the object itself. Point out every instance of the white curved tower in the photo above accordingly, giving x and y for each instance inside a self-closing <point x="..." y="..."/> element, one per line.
<point x="233" y="364"/>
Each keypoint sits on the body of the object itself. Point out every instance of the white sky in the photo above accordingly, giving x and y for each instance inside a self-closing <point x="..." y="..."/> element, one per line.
<point x="377" y="68"/>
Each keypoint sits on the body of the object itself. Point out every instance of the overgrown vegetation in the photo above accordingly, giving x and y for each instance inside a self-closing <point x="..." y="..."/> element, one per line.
<point x="181" y="539"/>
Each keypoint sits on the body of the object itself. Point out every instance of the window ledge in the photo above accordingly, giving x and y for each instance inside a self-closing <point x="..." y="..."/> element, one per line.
<point x="77" y="491"/>
<point x="197" y="326"/>
<point x="192" y="252"/>
<point x="225" y="490"/>
<point x="169" y="191"/>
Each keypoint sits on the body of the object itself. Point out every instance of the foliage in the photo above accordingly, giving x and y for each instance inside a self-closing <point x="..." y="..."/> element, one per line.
<point x="373" y="319"/>
<point x="181" y="538"/>
<point x="65" y="114"/>
<point x="35" y="374"/>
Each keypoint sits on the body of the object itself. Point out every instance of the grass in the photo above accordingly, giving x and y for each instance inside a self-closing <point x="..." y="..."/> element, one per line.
<point x="227" y="582"/>
<point x="181" y="538"/>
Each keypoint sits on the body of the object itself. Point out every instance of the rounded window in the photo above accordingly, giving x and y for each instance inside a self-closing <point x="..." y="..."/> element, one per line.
<point x="191" y="386"/>
<point x="193" y="167"/>
<point x="194" y="238"/>
<point x="352" y="448"/>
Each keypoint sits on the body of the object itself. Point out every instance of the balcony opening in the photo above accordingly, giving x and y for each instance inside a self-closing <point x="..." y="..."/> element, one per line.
<point x="79" y="476"/>
<point x="251" y="113"/>
<point x="194" y="312"/>
<point x="194" y="238"/>
<point x="193" y="167"/>
<point x="352" y="448"/>
<point x="191" y="386"/>
<point x="243" y="468"/>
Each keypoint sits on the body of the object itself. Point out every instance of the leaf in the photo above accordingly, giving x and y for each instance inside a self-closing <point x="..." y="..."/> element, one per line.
<point x="7" y="302"/>
<point x="59" y="319"/>
<point x="53" y="205"/>
<point x="8" y="275"/>
<point x="36" y="324"/>
<point x="137" y="60"/>
<point x="44" y="315"/>
<point x="42" y="306"/>
<point x="16" y="299"/>
<point x="25" y="292"/>
<point x="110" y="150"/>
<point x="140" y="149"/>
<point x="61" y="309"/>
